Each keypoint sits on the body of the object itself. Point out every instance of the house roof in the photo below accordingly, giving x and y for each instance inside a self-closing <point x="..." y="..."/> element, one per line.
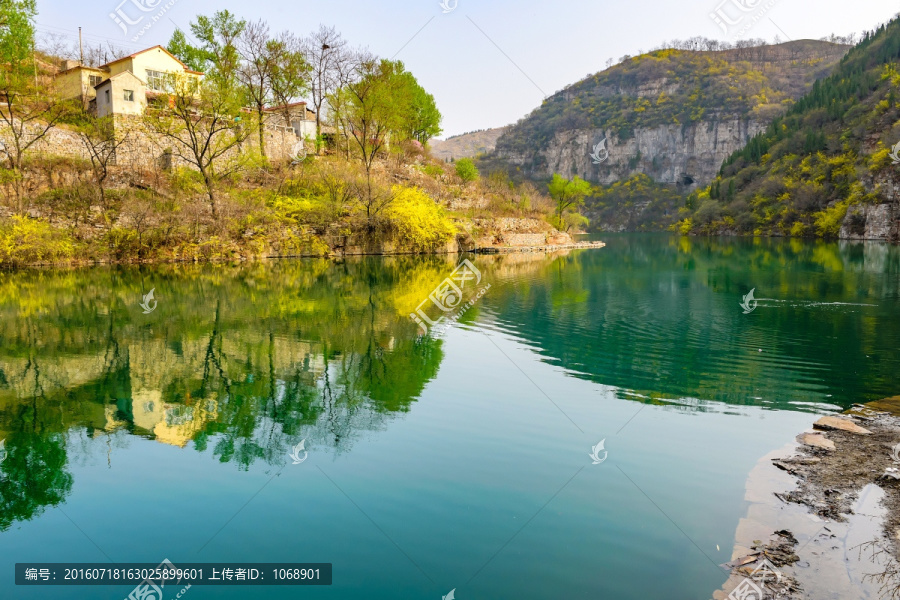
<point x="76" y="67"/>
<point x="130" y="56"/>
<point x="284" y="106"/>
<point x="117" y="76"/>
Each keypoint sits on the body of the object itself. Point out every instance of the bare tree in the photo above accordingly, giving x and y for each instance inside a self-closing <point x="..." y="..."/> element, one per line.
<point x="202" y="123"/>
<point x="98" y="135"/>
<point x="63" y="47"/>
<point x="327" y="53"/>
<point x="255" y="72"/>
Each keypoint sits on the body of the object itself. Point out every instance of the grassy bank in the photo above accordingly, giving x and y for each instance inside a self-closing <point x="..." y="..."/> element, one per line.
<point x="318" y="207"/>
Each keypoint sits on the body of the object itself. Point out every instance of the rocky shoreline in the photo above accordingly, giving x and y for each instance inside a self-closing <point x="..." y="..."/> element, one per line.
<point x="824" y="520"/>
<point x="541" y="248"/>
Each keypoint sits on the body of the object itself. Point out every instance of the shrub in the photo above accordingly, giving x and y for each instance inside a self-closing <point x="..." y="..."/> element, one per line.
<point x="829" y="221"/>
<point x="708" y="212"/>
<point x="466" y="170"/>
<point x="26" y="241"/>
<point x="420" y="222"/>
<point x="434" y="171"/>
<point x="188" y="181"/>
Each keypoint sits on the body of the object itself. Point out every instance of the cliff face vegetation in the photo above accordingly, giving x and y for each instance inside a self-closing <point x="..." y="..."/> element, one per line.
<point x="827" y="167"/>
<point x="672" y="114"/>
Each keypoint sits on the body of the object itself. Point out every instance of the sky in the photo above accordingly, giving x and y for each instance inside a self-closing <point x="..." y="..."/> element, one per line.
<point x="487" y="63"/>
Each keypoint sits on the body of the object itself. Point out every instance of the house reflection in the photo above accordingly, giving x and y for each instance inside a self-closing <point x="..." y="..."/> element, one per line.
<point x="167" y="422"/>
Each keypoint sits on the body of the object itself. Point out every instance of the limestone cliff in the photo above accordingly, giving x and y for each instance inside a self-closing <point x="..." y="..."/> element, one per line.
<point x="682" y="155"/>
<point x="674" y="115"/>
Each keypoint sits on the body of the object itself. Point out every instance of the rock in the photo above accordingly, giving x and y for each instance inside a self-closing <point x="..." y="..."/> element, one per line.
<point x="836" y="423"/>
<point x="891" y="475"/>
<point x="867" y="222"/>
<point x="816" y="440"/>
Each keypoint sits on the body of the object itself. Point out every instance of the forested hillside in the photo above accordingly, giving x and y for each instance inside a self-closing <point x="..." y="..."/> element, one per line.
<point x="825" y="168"/>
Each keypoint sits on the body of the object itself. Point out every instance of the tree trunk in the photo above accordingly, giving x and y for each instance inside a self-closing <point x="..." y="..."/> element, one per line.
<point x="262" y="133"/>
<point x="318" y="126"/>
<point x="209" y="190"/>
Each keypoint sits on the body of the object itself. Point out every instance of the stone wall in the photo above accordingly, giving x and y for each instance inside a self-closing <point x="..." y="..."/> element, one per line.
<point x="144" y="149"/>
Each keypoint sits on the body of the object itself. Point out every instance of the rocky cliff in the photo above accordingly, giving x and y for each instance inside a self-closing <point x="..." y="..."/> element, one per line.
<point x="678" y="154"/>
<point x="674" y="115"/>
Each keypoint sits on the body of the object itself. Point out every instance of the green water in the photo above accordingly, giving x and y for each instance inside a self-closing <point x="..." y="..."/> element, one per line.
<point x="433" y="463"/>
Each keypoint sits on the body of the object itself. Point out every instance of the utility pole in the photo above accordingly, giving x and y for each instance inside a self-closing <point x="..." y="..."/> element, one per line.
<point x="80" y="47"/>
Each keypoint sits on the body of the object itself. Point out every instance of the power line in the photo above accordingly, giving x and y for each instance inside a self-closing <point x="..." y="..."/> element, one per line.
<point x="74" y="34"/>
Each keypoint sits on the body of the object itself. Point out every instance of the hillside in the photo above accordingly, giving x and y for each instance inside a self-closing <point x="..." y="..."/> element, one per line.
<point x="825" y="168"/>
<point x="674" y="115"/>
<point x="467" y="145"/>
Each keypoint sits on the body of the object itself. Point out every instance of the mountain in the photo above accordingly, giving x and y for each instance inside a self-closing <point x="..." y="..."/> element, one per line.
<point x="674" y="115"/>
<point x="466" y="145"/>
<point x="828" y="167"/>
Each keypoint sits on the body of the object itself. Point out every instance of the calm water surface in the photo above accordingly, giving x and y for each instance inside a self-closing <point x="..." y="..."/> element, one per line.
<point x="433" y="464"/>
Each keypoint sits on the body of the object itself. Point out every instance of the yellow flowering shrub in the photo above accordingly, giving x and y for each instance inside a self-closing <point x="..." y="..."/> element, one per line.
<point x="419" y="221"/>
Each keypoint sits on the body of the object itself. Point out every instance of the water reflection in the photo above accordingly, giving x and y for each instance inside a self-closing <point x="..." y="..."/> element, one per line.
<point x="244" y="361"/>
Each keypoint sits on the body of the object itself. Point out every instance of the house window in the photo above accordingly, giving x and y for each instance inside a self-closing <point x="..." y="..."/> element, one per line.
<point x="156" y="81"/>
<point x="107" y="96"/>
<point x="95" y="80"/>
<point x="129" y="95"/>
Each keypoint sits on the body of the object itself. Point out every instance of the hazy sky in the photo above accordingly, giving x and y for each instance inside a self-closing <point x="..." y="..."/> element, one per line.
<point x="487" y="63"/>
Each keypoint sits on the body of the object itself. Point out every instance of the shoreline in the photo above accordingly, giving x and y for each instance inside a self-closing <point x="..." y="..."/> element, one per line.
<point x="824" y="514"/>
<point x="485" y="250"/>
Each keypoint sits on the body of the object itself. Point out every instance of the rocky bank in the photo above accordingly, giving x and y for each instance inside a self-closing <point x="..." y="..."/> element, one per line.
<point x="824" y="516"/>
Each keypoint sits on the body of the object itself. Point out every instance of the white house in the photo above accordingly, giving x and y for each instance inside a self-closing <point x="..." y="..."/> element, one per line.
<point x="121" y="94"/>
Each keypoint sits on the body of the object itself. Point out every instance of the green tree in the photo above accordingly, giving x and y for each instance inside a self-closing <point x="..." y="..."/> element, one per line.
<point x="189" y="55"/>
<point x="217" y="54"/>
<point x="423" y="119"/>
<point x="568" y="194"/>
<point x="466" y="170"/>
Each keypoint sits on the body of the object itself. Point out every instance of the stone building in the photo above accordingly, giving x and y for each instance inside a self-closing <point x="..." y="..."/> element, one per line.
<point x="150" y="70"/>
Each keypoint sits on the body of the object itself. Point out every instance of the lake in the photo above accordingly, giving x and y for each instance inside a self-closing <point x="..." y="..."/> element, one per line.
<point x="584" y="430"/>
